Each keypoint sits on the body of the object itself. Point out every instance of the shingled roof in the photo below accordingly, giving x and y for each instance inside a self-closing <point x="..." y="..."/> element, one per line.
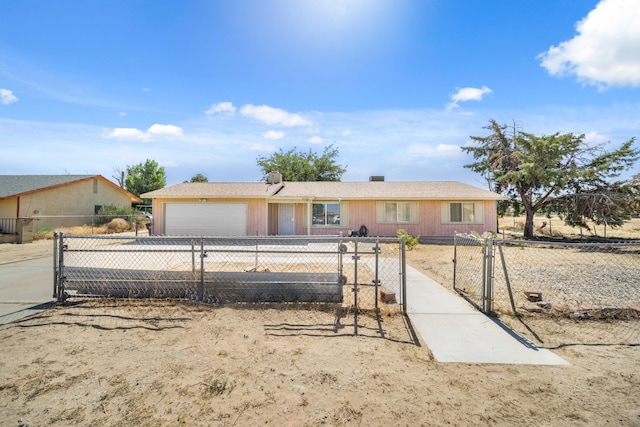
<point x="215" y="189"/>
<point x="387" y="190"/>
<point x="20" y="185"/>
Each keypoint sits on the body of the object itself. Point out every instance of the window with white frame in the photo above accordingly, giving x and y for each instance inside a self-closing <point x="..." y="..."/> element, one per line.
<point x="397" y="212"/>
<point x="462" y="212"/>
<point x="326" y="214"/>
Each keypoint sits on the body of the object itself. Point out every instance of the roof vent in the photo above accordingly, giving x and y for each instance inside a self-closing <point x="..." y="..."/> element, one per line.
<point x="274" y="177"/>
<point x="376" y="178"/>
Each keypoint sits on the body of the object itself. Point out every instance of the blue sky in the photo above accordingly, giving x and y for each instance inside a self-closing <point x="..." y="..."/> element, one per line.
<point x="88" y="87"/>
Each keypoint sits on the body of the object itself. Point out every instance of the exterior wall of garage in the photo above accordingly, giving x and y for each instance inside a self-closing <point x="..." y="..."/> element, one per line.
<point x="256" y="213"/>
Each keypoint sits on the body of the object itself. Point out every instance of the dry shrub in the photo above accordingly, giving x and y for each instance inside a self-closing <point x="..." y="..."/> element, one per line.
<point x="117" y="225"/>
<point x="84" y="230"/>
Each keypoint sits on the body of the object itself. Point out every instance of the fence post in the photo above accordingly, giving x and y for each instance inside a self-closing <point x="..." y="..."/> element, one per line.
<point x="355" y="287"/>
<point x="483" y="246"/>
<point x="55" y="265"/>
<point x="488" y="297"/>
<point x="202" y="255"/>
<point x="455" y="256"/>
<point x="376" y="280"/>
<point x="61" y="277"/>
<point x="403" y="269"/>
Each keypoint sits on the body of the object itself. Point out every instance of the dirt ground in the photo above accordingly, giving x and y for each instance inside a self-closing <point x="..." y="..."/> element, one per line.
<point x="108" y="362"/>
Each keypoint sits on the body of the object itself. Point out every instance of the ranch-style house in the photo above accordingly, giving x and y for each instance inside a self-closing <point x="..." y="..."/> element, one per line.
<point x="277" y="208"/>
<point x="56" y="200"/>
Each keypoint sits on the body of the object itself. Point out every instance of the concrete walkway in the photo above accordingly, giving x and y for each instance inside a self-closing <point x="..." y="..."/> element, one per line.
<point x="457" y="332"/>
<point x="26" y="288"/>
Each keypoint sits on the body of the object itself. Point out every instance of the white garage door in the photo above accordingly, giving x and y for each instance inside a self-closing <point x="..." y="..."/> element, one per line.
<point x="215" y="219"/>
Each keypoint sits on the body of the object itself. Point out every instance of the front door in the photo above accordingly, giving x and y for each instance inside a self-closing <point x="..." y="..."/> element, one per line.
<point x="286" y="224"/>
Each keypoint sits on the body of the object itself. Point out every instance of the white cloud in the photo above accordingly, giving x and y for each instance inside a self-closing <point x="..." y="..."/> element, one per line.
<point x="133" y="134"/>
<point x="273" y="134"/>
<point x="606" y="50"/>
<point x="127" y="134"/>
<point x="164" y="130"/>
<point x="123" y="114"/>
<point x="439" y="151"/>
<point x="7" y="97"/>
<point x="314" y="140"/>
<point x="467" y="94"/>
<point x="261" y="147"/>
<point x="594" y="138"/>
<point x="274" y="116"/>
<point x="346" y="132"/>
<point x="225" y="108"/>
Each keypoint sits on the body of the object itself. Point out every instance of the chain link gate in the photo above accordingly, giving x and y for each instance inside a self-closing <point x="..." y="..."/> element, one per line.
<point x="473" y="261"/>
<point x="556" y="293"/>
<point x="356" y="273"/>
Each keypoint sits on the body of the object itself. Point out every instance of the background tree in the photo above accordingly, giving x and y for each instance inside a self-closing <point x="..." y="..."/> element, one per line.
<point x="558" y="171"/>
<point x="199" y="178"/>
<point x="300" y="166"/>
<point x="119" y="176"/>
<point x="145" y="177"/>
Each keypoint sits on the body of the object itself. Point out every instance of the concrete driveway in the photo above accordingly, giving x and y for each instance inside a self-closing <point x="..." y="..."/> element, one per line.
<point x="25" y="288"/>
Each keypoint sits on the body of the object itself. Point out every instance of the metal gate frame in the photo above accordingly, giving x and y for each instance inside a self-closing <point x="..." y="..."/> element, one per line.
<point x="484" y="302"/>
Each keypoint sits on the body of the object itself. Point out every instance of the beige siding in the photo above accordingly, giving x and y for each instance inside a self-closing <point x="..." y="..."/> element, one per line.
<point x="9" y="208"/>
<point x="256" y="213"/>
<point x="76" y="202"/>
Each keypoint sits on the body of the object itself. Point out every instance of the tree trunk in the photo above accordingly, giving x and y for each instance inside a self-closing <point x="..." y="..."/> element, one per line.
<point x="528" y="224"/>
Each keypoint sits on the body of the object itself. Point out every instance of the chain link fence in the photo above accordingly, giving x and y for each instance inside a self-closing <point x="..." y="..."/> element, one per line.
<point x="563" y="285"/>
<point x="46" y="225"/>
<point x="355" y="273"/>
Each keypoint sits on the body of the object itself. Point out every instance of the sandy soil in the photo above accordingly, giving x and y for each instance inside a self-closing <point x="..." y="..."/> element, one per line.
<point x="144" y="363"/>
<point x="12" y="252"/>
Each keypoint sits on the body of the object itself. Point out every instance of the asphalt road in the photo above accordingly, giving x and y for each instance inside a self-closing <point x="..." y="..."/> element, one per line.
<point x="24" y="287"/>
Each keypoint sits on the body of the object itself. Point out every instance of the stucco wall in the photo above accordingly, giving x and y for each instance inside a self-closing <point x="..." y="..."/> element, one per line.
<point x="75" y="203"/>
<point x="9" y="208"/>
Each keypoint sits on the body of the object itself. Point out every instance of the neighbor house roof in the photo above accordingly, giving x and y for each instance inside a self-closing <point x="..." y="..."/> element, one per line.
<point x="21" y="185"/>
<point x="387" y="190"/>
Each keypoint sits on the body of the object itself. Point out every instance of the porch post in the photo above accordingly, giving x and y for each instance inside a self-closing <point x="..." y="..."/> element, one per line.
<point x="309" y="216"/>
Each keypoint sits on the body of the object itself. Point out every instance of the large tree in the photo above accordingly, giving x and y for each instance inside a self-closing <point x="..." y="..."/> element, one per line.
<point x="145" y="177"/>
<point x="303" y="166"/>
<point x="556" y="171"/>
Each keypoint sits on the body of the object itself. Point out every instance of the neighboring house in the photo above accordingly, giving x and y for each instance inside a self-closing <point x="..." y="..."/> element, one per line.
<point x="322" y="208"/>
<point x="58" y="200"/>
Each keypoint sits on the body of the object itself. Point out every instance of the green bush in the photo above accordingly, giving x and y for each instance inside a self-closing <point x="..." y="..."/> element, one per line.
<point x="108" y="212"/>
<point x="409" y="240"/>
